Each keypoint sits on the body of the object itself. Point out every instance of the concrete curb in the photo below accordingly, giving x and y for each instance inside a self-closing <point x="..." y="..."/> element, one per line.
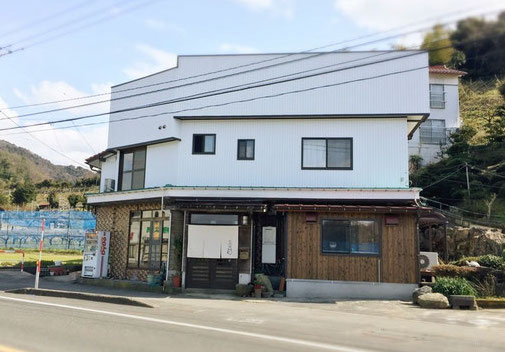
<point x="81" y="295"/>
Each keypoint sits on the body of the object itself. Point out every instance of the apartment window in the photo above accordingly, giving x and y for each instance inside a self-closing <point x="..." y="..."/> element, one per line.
<point x="204" y="144"/>
<point x="437" y="96"/>
<point x="245" y="149"/>
<point x="327" y="153"/>
<point x="133" y="169"/>
<point x="350" y="237"/>
<point x="148" y="239"/>
<point x="433" y="132"/>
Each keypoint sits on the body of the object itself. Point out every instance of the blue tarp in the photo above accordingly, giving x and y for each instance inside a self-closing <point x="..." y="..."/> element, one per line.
<point x="63" y="229"/>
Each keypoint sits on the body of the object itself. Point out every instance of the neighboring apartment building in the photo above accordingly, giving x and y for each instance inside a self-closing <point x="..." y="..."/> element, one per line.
<point x="433" y="134"/>
<point x="306" y="178"/>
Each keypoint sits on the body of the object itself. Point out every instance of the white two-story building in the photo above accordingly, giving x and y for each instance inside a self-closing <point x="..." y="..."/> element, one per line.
<point x="433" y="134"/>
<point x="293" y="165"/>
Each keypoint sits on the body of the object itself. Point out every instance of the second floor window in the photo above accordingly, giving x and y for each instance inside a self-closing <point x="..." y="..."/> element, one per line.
<point x="245" y="149"/>
<point x="327" y="153"/>
<point x="437" y="96"/>
<point x="204" y="144"/>
<point x="433" y="132"/>
<point x="133" y="169"/>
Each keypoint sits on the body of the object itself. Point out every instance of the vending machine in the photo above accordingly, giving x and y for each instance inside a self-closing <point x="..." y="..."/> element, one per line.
<point x="96" y="254"/>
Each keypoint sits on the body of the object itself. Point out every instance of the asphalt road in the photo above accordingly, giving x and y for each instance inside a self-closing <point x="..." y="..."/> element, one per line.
<point x="34" y="323"/>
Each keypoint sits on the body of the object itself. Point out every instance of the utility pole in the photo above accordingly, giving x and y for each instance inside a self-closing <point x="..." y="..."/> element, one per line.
<point x="467" y="180"/>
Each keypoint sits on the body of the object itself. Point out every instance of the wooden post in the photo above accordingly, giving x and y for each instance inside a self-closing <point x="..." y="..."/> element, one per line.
<point x="430" y="239"/>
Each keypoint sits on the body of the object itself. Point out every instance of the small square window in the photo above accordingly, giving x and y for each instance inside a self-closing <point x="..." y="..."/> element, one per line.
<point x="204" y="144"/>
<point x="245" y="149"/>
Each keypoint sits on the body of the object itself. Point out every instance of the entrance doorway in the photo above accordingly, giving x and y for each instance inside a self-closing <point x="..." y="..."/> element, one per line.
<point x="212" y="252"/>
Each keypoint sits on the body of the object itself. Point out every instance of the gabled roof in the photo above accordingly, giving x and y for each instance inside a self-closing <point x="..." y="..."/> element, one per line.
<point x="444" y="70"/>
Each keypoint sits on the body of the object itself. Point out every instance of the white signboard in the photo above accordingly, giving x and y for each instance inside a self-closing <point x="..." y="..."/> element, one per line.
<point x="268" y="248"/>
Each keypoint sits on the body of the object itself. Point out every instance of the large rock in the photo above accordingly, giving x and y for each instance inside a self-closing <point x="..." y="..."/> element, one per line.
<point x="471" y="241"/>
<point x="433" y="300"/>
<point x="419" y="292"/>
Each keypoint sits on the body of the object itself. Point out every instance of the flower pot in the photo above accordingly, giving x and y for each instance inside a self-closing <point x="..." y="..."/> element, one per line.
<point x="176" y="281"/>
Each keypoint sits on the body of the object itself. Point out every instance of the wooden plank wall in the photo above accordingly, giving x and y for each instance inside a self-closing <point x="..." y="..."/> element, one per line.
<point x="398" y="252"/>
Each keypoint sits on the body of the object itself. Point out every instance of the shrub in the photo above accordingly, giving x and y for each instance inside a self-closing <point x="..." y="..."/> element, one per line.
<point x="448" y="270"/>
<point x="492" y="261"/>
<point x="489" y="260"/>
<point x="453" y="286"/>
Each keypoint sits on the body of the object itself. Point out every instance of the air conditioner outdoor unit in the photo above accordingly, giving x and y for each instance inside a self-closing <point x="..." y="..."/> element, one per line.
<point x="110" y="185"/>
<point x="427" y="260"/>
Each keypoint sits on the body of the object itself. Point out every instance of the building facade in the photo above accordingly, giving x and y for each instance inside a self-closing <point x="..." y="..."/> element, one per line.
<point x="433" y="134"/>
<point x="292" y="165"/>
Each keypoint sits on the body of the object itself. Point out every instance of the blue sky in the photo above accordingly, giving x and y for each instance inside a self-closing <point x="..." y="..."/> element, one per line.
<point x="130" y="45"/>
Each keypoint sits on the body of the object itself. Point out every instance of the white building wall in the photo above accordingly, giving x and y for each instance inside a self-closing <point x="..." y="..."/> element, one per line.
<point x="109" y="168"/>
<point x="370" y="89"/>
<point x="379" y="154"/>
<point x="162" y="164"/>
<point x="450" y="114"/>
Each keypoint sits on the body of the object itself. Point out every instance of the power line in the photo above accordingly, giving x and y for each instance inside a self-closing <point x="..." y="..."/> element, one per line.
<point x="212" y="93"/>
<point x="47" y="145"/>
<point x="198" y="96"/>
<point x="86" y="25"/>
<point x="446" y="177"/>
<point x="45" y="19"/>
<point x="227" y="90"/>
<point x="261" y="61"/>
<point x="244" y="100"/>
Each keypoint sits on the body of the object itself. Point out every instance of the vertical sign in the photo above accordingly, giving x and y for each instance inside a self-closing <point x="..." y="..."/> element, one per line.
<point x="37" y="274"/>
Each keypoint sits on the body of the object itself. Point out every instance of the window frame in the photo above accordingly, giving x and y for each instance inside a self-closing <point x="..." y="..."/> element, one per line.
<point x="151" y="219"/>
<point x="253" y="149"/>
<point x="431" y="139"/>
<point x="442" y="102"/>
<point x="351" y="139"/>
<point x="350" y="254"/>
<point x="121" y="166"/>
<point x="204" y="135"/>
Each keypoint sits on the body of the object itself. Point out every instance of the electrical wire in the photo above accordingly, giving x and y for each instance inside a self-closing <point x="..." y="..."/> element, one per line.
<point x="233" y="102"/>
<point x="266" y="60"/>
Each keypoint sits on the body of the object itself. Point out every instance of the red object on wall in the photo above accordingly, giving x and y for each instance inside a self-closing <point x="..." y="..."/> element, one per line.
<point x="392" y="220"/>
<point x="311" y="217"/>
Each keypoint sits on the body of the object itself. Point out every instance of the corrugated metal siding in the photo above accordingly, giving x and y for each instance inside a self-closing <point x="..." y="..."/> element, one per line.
<point x="379" y="154"/>
<point x="404" y="93"/>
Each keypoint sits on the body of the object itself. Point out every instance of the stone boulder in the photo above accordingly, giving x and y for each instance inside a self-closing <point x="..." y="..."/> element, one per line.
<point x="475" y="241"/>
<point x="419" y="292"/>
<point x="433" y="301"/>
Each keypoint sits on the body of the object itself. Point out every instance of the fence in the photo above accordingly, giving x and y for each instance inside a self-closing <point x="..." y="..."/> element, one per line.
<point x="63" y="230"/>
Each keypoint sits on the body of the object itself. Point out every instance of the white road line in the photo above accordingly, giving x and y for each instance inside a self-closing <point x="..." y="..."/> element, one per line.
<point x="196" y="326"/>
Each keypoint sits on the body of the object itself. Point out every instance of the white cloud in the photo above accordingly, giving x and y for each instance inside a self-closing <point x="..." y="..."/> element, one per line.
<point x="158" y="60"/>
<point x="60" y="90"/>
<point x="283" y="8"/>
<point x="386" y="14"/>
<point x="162" y="26"/>
<point x="76" y="144"/>
<point x="237" y="48"/>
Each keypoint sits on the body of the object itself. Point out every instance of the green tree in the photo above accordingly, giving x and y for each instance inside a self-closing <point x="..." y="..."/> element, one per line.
<point x="84" y="201"/>
<point x="23" y="193"/>
<point x="52" y="198"/>
<point x="439" y="44"/>
<point x="73" y="199"/>
<point x="4" y="199"/>
<point x="483" y="43"/>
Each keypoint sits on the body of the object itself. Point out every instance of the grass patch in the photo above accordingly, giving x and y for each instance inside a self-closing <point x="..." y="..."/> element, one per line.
<point x="67" y="257"/>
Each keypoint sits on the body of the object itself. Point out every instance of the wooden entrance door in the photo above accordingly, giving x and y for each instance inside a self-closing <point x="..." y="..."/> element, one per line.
<point x="212" y="273"/>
